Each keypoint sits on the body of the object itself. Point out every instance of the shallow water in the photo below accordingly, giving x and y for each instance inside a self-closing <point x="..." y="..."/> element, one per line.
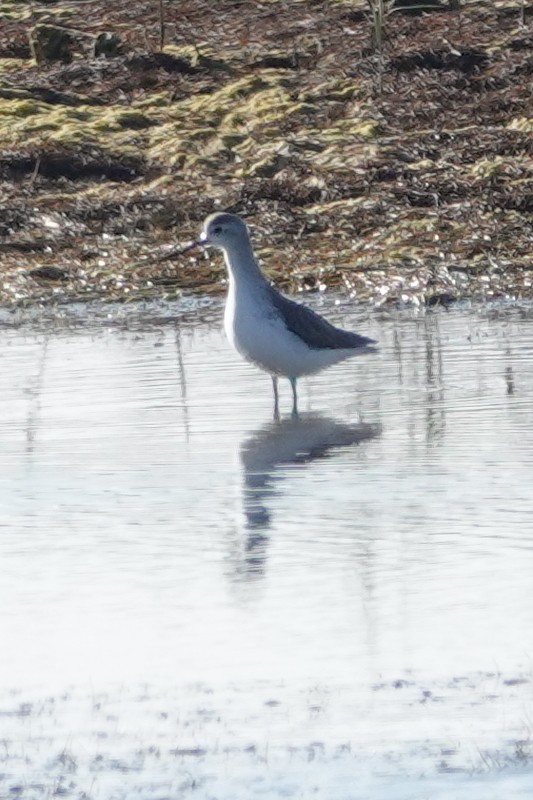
<point x="157" y="525"/>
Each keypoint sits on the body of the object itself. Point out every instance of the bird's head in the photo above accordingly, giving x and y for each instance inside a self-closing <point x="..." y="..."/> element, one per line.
<point x="225" y="231"/>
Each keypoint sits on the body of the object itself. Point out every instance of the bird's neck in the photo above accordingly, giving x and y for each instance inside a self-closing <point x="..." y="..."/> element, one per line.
<point x="243" y="268"/>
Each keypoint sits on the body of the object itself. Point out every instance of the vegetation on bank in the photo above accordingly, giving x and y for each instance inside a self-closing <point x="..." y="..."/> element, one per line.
<point x="397" y="167"/>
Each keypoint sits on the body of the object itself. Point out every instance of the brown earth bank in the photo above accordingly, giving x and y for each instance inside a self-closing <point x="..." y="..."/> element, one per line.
<point x="392" y="161"/>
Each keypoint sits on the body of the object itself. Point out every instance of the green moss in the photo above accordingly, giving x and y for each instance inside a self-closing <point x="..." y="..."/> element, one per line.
<point x="207" y="126"/>
<point x="13" y="64"/>
<point x="12" y="10"/>
<point x="509" y="166"/>
<point x="116" y="120"/>
<point x="31" y="124"/>
<point x="203" y="56"/>
<point x="336" y="90"/>
<point x="22" y="10"/>
<point x="239" y="121"/>
<point x="20" y="108"/>
<point x="419" y="166"/>
<point x="345" y="156"/>
<point x="267" y="167"/>
<point x="336" y="207"/>
<point x="345" y="130"/>
<point x="524" y="124"/>
<point x="157" y="100"/>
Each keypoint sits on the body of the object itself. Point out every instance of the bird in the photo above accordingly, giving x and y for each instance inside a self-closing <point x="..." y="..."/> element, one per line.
<point x="280" y="336"/>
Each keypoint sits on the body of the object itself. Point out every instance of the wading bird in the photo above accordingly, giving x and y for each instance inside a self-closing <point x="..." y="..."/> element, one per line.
<point x="284" y="338"/>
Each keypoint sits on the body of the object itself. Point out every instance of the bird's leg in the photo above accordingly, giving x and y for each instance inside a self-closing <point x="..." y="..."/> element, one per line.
<point x="294" y="397"/>
<point x="276" y="397"/>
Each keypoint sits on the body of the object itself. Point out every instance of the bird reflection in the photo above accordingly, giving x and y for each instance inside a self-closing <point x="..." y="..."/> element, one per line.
<point x="296" y="440"/>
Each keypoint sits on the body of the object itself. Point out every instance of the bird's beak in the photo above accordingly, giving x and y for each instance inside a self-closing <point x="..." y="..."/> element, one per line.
<point x="172" y="254"/>
<point x="190" y="246"/>
<point x="177" y="253"/>
<point x="202" y="239"/>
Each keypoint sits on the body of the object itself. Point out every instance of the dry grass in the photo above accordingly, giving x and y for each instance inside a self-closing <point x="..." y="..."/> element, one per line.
<point x="397" y="176"/>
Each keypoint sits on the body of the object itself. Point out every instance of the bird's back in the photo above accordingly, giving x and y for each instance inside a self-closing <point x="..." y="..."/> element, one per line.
<point x="315" y="331"/>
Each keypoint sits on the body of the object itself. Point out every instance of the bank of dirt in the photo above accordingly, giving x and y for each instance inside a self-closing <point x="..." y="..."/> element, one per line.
<point x="404" y="176"/>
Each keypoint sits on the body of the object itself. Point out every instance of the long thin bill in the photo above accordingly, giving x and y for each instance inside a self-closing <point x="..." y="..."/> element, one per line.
<point x="190" y="246"/>
<point x="176" y="253"/>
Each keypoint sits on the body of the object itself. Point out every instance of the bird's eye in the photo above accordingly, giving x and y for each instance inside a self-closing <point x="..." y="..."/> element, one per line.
<point x="217" y="230"/>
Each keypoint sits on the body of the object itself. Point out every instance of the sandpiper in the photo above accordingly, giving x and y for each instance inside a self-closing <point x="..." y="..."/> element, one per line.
<point x="284" y="338"/>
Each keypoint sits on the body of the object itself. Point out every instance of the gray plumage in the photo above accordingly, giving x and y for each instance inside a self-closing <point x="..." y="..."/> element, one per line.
<point x="280" y="336"/>
<point x="314" y="330"/>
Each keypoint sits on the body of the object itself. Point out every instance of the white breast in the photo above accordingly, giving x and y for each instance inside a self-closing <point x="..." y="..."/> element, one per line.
<point x="257" y="332"/>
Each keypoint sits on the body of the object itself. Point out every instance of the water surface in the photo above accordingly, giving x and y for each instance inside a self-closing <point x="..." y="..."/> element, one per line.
<point x="157" y="525"/>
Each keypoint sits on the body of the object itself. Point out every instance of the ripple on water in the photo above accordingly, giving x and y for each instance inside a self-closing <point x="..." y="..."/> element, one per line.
<point x="155" y="522"/>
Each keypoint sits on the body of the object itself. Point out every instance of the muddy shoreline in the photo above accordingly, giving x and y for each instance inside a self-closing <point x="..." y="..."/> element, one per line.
<point x="400" y="177"/>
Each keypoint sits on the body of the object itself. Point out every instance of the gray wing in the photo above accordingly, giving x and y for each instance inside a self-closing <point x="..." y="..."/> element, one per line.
<point x="314" y="330"/>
